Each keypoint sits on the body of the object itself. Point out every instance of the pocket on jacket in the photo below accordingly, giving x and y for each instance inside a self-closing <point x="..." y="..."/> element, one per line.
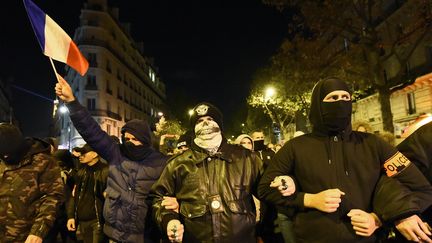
<point x="237" y="206"/>
<point x="189" y="210"/>
<point x="136" y="216"/>
<point x="111" y="206"/>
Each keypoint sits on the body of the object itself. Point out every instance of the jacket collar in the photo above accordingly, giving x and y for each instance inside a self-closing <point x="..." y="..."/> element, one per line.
<point x="199" y="154"/>
<point x="343" y="135"/>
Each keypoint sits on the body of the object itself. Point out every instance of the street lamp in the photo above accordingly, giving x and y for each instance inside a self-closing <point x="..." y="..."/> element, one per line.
<point x="269" y="92"/>
<point x="160" y="113"/>
<point x="190" y="112"/>
<point x="63" y="109"/>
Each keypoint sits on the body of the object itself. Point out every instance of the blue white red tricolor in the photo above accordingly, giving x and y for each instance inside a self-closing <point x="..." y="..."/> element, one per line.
<point x="54" y="41"/>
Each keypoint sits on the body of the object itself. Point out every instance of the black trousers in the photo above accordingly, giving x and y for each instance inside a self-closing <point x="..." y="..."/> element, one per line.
<point x="91" y="232"/>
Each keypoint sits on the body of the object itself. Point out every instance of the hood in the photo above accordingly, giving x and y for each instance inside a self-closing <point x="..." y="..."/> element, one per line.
<point x="140" y="129"/>
<point x="241" y="136"/>
<point x="320" y="90"/>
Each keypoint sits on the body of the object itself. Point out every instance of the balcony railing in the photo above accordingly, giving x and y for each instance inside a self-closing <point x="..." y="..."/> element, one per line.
<point x="91" y="87"/>
<point x="110" y="114"/>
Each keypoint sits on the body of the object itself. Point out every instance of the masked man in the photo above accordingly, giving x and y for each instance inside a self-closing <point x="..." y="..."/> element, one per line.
<point x="337" y="171"/>
<point x="213" y="182"/>
<point x="133" y="168"/>
<point x="31" y="187"/>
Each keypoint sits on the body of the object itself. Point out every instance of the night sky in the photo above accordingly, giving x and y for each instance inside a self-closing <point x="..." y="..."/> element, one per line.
<point x="205" y="51"/>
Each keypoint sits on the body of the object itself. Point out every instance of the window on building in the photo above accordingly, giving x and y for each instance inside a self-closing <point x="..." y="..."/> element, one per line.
<point x="119" y="94"/>
<point x="119" y="77"/>
<point x="108" y="105"/>
<point x="411" y="103"/>
<point x="91" y="104"/>
<point x="92" y="59"/>
<point x="91" y="82"/>
<point x="152" y="75"/>
<point x="108" y="66"/>
<point x="108" y="87"/>
<point x="108" y="127"/>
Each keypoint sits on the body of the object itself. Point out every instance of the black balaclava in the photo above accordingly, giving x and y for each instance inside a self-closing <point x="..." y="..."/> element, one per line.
<point x="12" y="144"/>
<point x="259" y="145"/>
<point x="330" y="118"/>
<point x="141" y="130"/>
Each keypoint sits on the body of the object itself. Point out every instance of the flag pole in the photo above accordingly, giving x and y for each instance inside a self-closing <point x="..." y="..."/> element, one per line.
<point x="54" y="68"/>
<point x="56" y="101"/>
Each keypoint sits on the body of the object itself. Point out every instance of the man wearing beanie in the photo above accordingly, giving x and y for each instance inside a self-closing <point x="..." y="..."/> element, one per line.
<point x="213" y="182"/>
<point x="349" y="182"/>
<point x="31" y="187"/>
<point x="134" y="165"/>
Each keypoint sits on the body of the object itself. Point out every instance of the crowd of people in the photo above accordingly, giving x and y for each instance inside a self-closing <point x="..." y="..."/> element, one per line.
<point x="338" y="183"/>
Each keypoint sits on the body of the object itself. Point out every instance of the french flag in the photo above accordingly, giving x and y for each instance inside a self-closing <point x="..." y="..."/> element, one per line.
<point x="53" y="40"/>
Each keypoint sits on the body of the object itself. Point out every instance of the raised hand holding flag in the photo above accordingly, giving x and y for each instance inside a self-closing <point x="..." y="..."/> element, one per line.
<point x="63" y="90"/>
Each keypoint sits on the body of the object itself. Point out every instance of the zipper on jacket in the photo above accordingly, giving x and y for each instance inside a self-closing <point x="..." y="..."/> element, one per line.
<point x="82" y="184"/>
<point x="95" y="199"/>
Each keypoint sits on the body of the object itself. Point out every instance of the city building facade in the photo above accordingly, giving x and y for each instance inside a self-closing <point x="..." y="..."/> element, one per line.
<point x="407" y="54"/>
<point x="408" y="103"/>
<point x="121" y="83"/>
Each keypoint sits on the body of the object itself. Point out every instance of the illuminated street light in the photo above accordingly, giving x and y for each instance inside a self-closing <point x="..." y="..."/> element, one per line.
<point x="160" y="113"/>
<point x="190" y="112"/>
<point x="243" y="124"/>
<point x="269" y="92"/>
<point x="63" y="109"/>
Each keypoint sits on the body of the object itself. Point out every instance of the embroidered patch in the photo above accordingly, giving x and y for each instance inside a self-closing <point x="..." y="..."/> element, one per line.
<point x="201" y="110"/>
<point x="397" y="163"/>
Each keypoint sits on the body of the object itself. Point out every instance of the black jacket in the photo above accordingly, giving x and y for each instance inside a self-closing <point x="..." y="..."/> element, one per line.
<point x="100" y="175"/>
<point x="418" y="148"/>
<point x="194" y="176"/>
<point x="351" y="161"/>
<point x="353" y="165"/>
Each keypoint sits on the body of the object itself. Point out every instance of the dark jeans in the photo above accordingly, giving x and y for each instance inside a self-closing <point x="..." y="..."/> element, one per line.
<point x="285" y="226"/>
<point x="91" y="232"/>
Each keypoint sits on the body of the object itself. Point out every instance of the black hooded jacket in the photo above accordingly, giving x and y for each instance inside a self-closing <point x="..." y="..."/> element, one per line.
<point x="327" y="159"/>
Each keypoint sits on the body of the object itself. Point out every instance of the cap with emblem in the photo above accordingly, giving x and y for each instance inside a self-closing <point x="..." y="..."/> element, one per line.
<point x="206" y="109"/>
